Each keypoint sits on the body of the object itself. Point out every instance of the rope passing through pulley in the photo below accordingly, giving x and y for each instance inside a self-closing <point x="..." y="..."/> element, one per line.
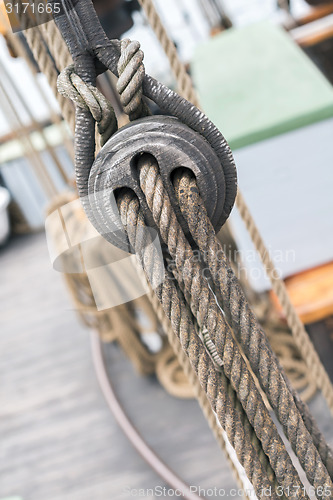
<point x="209" y="315"/>
<point x="173" y="145"/>
<point x="188" y="139"/>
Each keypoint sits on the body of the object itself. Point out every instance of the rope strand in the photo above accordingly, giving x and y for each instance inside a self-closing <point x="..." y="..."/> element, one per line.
<point x="302" y="340"/>
<point x="219" y="393"/>
<point x="204" y="308"/>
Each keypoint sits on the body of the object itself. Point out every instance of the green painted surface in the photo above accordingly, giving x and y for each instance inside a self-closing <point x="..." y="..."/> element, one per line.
<point x="255" y="83"/>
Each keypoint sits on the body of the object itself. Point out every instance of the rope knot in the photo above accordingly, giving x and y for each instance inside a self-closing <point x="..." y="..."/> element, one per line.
<point x="88" y="97"/>
<point x="131" y="73"/>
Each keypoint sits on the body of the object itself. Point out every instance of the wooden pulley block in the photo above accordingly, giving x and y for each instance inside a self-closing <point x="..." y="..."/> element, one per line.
<point x="174" y="145"/>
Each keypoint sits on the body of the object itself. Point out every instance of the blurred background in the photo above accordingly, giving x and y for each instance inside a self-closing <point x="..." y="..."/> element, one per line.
<point x="263" y="71"/>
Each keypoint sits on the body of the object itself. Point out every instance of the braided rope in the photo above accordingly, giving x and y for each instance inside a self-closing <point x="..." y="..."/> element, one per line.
<point x="250" y="335"/>
<point x="200" y="394"/>
<point x="303" y="342"/>
<point x="209" y="316"/>
<point x="221" y="396"/>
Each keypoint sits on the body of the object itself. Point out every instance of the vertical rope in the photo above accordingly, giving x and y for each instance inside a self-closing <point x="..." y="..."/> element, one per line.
<point x="50" y="59"/>
<point x="184" y="82"/>
<point x="46" y="65"/>
<point x="20" y="49"/>
<point x="202" y="303"/>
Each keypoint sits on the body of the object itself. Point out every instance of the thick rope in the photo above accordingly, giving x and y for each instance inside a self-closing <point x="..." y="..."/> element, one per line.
<point x="129" y="87"/>
<point x="239" y="314"/>
<point x="200" y="394"/>
<point x="247" y="329"/>
<point x="120" y="324"/>
<point x="59" y="51"/>
<point x="303" y="342"/>
<point x="203" y="305"/>
<point x="219" y="392"/>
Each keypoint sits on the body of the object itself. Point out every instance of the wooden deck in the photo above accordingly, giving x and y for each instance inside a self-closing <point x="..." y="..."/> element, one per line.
<point x="58" y="440"/>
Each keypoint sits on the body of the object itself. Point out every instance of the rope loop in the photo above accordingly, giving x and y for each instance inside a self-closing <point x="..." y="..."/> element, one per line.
<point x="88" y="97"/>
<point x="131" y="76"/>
